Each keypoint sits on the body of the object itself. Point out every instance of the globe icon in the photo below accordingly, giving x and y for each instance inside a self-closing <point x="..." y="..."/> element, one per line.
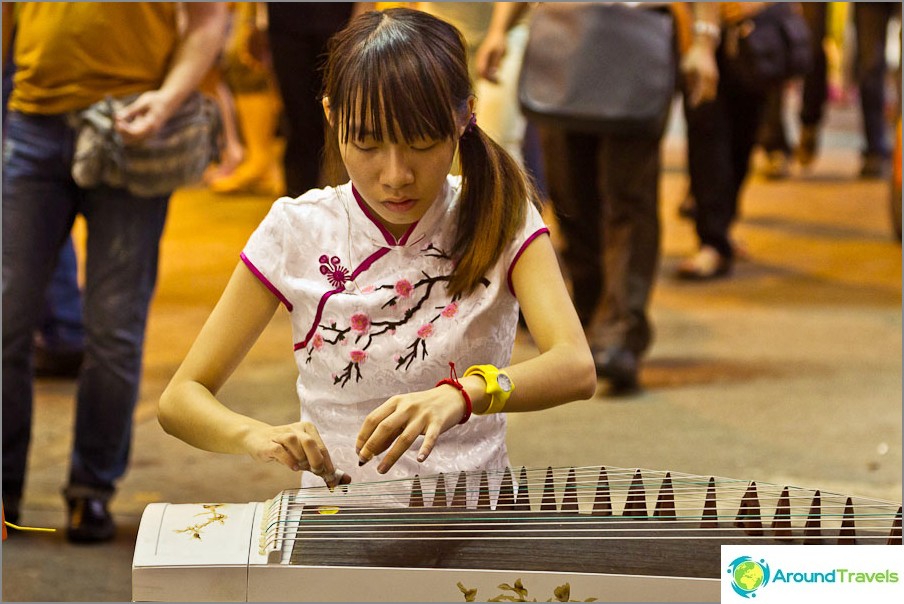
<point x="748" y="575"/>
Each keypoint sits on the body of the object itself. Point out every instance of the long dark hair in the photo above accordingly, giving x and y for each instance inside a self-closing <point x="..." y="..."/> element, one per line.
<point x="409" y="70"/>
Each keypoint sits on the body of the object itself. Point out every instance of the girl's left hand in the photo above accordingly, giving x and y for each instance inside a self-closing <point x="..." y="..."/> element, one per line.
<point x="401" y="419"/>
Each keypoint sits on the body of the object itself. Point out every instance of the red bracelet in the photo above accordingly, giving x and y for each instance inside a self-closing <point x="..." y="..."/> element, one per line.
<point x="452" y="380"/>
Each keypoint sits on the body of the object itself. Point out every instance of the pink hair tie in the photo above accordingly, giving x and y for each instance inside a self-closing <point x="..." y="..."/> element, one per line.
<point x="472" y="124"/>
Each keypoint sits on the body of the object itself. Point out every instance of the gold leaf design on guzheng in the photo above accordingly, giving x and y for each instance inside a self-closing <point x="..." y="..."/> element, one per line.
<point x="214" y="516"/>
<point x="562" y="593"/>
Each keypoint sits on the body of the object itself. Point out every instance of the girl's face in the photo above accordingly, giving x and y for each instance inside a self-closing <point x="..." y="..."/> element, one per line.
<point x="398" y="181"/>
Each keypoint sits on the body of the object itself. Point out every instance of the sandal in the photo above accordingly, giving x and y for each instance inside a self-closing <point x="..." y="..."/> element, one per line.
<point x="704" y="265"/>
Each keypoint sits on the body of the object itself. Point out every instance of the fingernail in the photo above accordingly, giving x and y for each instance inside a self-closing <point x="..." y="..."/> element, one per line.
<point x="421" y="457"/>
<point x="361" y="462"/>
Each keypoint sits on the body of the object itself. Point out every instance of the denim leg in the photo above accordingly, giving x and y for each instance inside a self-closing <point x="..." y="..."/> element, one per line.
<point x="871" y="21"/>
<point x="61" y="328"/>
<point x="39" y="205"/>
<point x="121" y="271"/>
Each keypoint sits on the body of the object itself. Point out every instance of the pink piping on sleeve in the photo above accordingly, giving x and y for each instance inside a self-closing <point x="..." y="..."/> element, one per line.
<point x="523" y="247"/>
<point x="254" y="270"/>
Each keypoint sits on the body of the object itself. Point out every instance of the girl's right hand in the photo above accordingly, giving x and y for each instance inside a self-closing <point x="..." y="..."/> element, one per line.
<point x="297" y="446"/>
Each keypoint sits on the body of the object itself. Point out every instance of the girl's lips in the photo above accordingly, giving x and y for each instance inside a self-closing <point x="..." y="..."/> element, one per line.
<point x="401" y="206"/>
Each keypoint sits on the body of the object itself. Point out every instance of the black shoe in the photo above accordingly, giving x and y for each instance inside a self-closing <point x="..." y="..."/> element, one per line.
<point x="89" y="521"/>
<point x="11" y="502"/>
<point x="619" y="367"/>
<point x="808" y="147"/>
<point x="875" y="165"/>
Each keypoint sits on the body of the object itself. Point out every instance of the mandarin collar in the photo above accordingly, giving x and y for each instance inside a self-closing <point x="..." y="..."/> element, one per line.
<point x="371" y="228"/>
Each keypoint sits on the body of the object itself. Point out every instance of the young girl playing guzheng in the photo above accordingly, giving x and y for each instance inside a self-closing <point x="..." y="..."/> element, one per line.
<point x="403" y="285"/>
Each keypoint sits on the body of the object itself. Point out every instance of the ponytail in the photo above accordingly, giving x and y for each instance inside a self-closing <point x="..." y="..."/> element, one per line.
<point x="493" y="202"/>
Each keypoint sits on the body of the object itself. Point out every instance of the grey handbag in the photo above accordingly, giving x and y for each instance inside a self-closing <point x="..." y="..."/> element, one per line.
<point x="603" y="68"/>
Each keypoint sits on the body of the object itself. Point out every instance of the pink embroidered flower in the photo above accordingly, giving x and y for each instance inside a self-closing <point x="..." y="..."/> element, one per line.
<point x="358" y="356"/>
<point x="360" y="323"/>
<point x="451" y="310"/>
<point x="404" y="288"/>
<point x="425" y="331"/>
<point x="317" y="341"/>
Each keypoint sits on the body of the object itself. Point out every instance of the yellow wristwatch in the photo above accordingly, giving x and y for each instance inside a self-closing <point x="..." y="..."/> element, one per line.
<point x="499" y="386"/>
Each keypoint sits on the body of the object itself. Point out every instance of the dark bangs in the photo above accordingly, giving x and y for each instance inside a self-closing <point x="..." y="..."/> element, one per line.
<point x="397" y="74"/>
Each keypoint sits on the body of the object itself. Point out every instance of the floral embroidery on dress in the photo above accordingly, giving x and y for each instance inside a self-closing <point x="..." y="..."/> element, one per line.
<point x="362" y="329"/>
<point x="334" y="271"/>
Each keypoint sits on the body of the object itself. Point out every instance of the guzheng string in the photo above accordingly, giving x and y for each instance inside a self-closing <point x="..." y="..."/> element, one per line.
<point x="585" y="503"/>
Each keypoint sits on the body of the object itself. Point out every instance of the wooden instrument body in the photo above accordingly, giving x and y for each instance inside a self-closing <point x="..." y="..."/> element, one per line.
<point x="610" y="535"/>
<point x="225" y="565"/>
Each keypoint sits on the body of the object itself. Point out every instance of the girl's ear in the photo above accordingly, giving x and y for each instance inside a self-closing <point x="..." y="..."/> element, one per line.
<point x="472" y="103"/>
<point x="326" y="109"/>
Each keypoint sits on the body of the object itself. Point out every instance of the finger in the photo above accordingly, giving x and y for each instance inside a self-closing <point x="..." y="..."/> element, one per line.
<point x="381" y="438"/>
<point x="304" y="449"/>
<point x="278" y="453"/>
<point x="334" y="478"/>
<point x="315" y="453"/>
<point x="373" y="419"/>
<point x="430" y="438"/>
<point x="401" y="444"/>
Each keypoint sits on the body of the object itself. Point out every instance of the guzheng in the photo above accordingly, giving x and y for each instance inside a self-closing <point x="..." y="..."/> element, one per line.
<point x="604" y="533"/>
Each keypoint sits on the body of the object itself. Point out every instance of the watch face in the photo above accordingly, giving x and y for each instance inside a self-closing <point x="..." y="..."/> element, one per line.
<point x="504" y="382"/>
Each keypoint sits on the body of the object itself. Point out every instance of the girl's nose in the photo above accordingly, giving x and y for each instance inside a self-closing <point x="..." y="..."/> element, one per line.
<point x="397" y="172"/>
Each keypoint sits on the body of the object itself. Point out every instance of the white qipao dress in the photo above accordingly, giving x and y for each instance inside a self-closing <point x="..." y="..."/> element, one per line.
<point x="371" y="318"/>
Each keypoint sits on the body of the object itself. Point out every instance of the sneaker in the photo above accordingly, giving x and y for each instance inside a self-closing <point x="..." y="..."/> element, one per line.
<point x="808" y="146"/>
<point x="778" y="165"/>
<point x="705" y="265"/>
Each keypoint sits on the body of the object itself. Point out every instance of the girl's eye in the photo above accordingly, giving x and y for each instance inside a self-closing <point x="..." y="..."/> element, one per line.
<point x="365" y="147"/>
<point x="424" y="146"/>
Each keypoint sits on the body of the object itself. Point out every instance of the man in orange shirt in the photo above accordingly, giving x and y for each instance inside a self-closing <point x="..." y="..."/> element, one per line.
<point x="70" y="55"/>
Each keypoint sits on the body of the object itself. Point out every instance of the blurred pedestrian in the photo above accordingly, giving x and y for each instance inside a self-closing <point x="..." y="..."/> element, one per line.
<point x="298" y="33"/>
<point x="60" y="337"/>
<point x="723" y="113"/>
<point x="70" y="55"/>
<point x="605" y="189"/>
<point x="247" y="71"/>
<point x="871" y="24"/>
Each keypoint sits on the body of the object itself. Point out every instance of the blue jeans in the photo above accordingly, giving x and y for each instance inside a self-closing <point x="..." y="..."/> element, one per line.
<point x="61" y="327"/>
<point x="40" y="203"/>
